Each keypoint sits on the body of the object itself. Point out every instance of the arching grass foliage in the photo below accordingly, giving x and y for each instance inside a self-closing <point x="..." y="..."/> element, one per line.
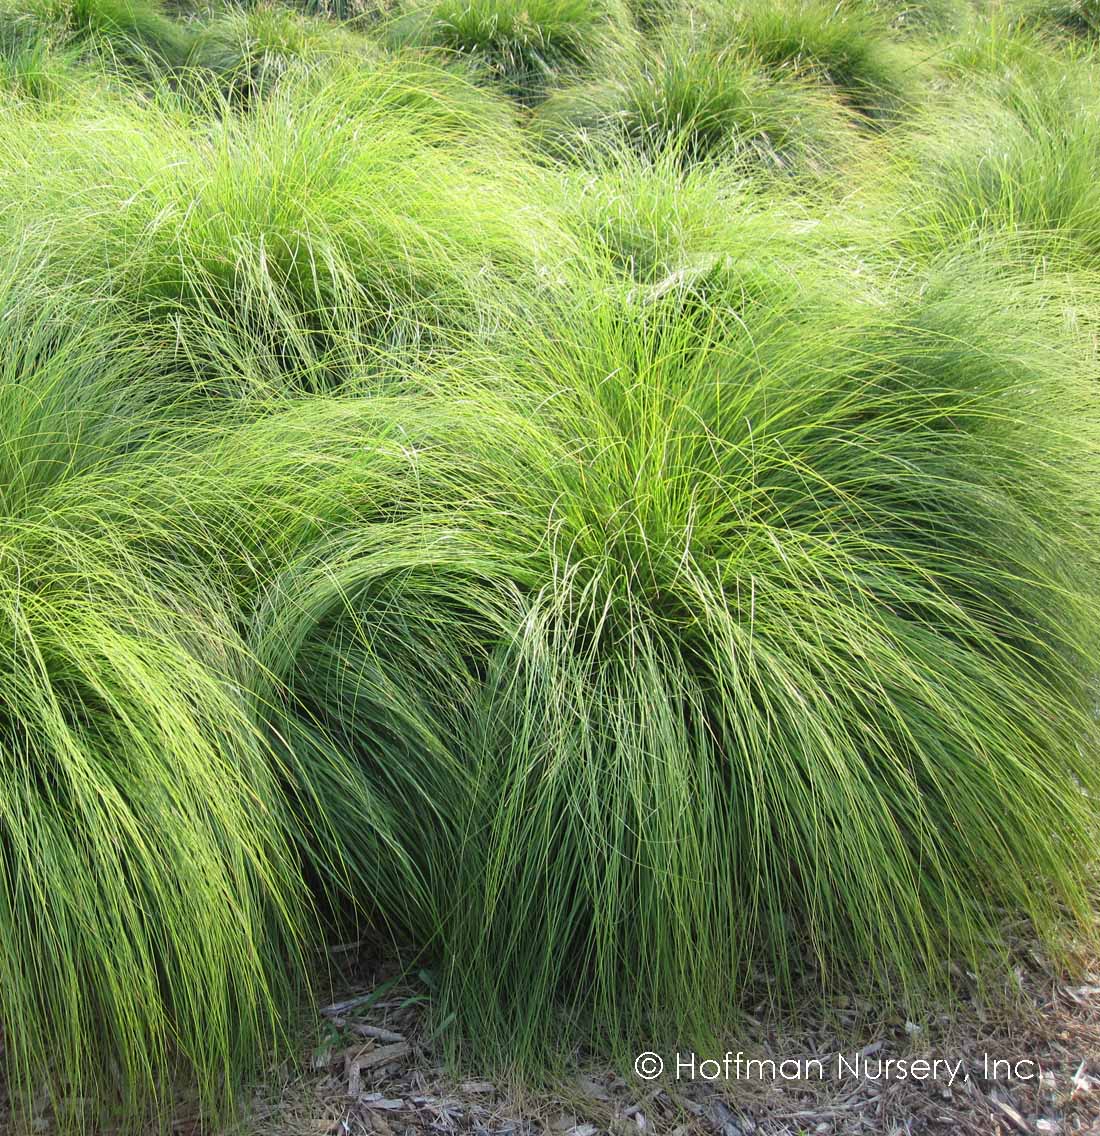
<point x="547" y="488"/>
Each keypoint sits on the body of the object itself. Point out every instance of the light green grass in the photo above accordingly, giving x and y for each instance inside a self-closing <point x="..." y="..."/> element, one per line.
<point x="151" y="914"/>
<point x="248" y="51"/>
<point x="137" y="34"/>
<point x="364" y="205"/>
<point x="1011" y="164"/>
<point x="526" y="46"/>
<point x="600" y="500"/>
<point x="703" y="103"/>
<point x="843" y="45"/>
<point x="755" y="626"/>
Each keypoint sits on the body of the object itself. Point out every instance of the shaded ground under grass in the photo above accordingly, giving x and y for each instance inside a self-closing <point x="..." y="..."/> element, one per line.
<point x="371" y="1065"/>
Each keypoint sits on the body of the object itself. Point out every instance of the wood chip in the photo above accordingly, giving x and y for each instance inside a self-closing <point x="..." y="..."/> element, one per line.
<point x="1082" y="994"/>
<point x="1015" y="1119"/>
<point x="377" y="1100"/>
<point x="383" y="1055"/>
<point x="364" y="1029"/>
<point x="592" y="1089"/>
<point x="338" y="1008"/>
<point x="1082" y="1083"/>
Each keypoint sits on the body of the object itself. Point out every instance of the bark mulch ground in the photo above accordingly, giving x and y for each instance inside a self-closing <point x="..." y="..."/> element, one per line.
<point x="370" y="1067"/>
<point x="373" y="1069"/>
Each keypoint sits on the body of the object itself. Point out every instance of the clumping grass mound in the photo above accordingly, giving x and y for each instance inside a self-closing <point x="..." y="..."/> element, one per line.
<point x="365" y="626"/>
<point x="1006" y="55"/>
<point x="349" y="10"/>
<point x="137" y="34"/>
<point x="704" y="233"/>
<point x="32" y="65"/>
<point x="353" y="206"/>
<point x="545" y="488"/>
<point x="923" y="18"/>
<point x="1012" y="164"/>
<point x="790" y="576"/>
<point x="248" y="50"/>
<point x="1070" y="17"/>
<point x="674" y="589"/>
<point x="150" y="911"/>
<point x="525" y="46"/>
<point x="704" y="103"/>
<point x="843" y="45"/>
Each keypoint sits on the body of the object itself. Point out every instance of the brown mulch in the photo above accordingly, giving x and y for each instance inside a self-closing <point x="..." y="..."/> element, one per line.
<point x="374" y="1070"/>
<point x="371" y="1068"/>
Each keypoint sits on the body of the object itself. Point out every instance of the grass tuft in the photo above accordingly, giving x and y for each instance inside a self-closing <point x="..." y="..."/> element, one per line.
<point x="785" y="586"/>
<point x="151" y="916"/>
<point x="1069" y="17"/>
<point x="845" y="46"/>
<point x="524" y="46"/>
<point x="702" y="104"/>
<point x="248" y="51"/>
<point x="356" y="206"/>
<point x="1012" y="166"/>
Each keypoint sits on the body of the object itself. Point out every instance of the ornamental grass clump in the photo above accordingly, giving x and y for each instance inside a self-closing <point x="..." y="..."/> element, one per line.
<point x="138" y="35"/>
<point x="925" y="19"/>
<point x="360" y="204"/>
<point x="803" y="665"/>
<point x="1013" y="166"/>
<point x="151" y="911"/>
<point x="1006" y="56"/>
<point x="765" y="624"/>
<point x="526" y="46"/>
<point x="33" y="64"/>
<point x="357" y="599"/>
<point x="248" y="50"/>
<point x="702" y="102"/>
<point x="846" y="46"/>
<point x="1079" y="18"/>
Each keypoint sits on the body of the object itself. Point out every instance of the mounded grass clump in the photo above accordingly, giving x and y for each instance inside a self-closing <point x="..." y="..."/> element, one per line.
<point x="356" y="11"/>
<point x="1006" y="54"/>
<point x="707" y="600"/>
<point x="32" y="67"/>
<point x="702" y="103"/>
<point x="139" y="35"/>
<point x="336" y="572"/>
<point x="706" y="234"/>
<point x="147" y="873"/>
<point x="150" y="909"/>
<point x="1069" y="17"/>
<point x="33" y="63"/>
<point x="846" y="46"/>
<point x="249" y="50"/>
<point x="792" y="576"/>
<point x="362" y="205"/>
<point x="525" y="46"/>
<point x="925" y="19"/>
<point x="1014" y="166"/>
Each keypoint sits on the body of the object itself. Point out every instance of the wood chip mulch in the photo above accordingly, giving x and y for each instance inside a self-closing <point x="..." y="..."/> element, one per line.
<point x="374" y="1070"/>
